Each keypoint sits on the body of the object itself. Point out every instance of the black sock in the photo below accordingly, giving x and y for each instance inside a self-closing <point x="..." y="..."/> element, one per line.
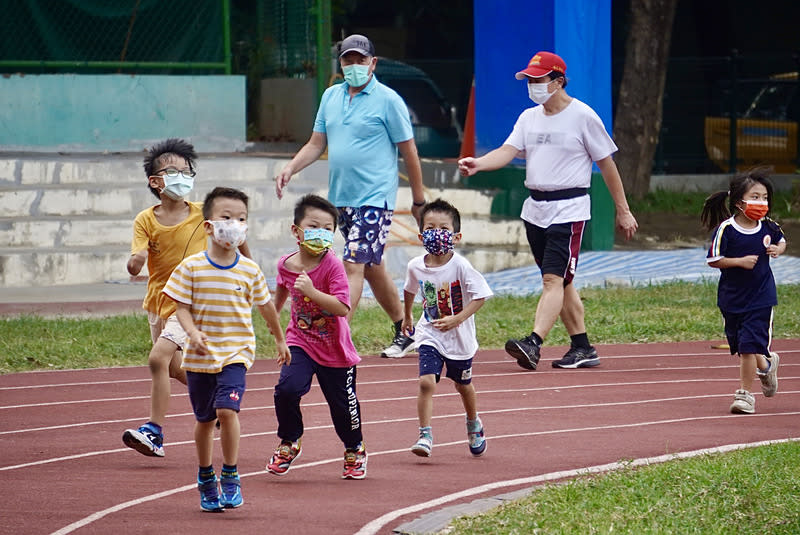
<point x="398" y="326"/>
<point x="537" y="338"/>
<point x="580" y="340"/>
<point x="205" y="473"/>
<point x="229" y="471"/>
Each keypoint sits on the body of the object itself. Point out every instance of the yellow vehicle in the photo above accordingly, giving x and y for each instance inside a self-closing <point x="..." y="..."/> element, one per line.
<point x="766" y="133"/>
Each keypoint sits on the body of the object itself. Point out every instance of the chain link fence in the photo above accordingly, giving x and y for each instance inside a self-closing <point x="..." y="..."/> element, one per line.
<point x="96" y="36"/>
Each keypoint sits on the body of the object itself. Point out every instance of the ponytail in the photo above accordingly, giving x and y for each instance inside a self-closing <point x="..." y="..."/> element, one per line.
<point x="715" y="210"/>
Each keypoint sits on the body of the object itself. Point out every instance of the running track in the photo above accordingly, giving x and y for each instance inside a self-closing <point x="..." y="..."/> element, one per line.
<point x="64" y="468"/>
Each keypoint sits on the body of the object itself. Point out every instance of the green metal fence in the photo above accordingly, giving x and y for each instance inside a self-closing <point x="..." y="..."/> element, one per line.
<point x="153" y="36"/>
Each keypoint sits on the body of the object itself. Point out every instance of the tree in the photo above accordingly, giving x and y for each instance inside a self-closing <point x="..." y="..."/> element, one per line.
<point x="637" y="122"/>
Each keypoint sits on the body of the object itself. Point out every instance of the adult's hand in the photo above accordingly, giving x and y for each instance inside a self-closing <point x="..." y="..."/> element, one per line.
<point x="627" y="224"/>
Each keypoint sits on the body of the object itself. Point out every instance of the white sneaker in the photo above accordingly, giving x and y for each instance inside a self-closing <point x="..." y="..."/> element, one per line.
<point x="769" y="380"/>
<point x="743" y="402"/>
<point x="424" y="445"/>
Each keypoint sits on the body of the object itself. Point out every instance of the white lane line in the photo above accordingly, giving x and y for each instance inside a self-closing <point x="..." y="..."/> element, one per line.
<point x="457" y="415"/>
<point x="372" y="527"/>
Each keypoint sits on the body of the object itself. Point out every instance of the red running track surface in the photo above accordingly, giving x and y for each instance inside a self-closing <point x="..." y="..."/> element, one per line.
<point x="64" y="467"/>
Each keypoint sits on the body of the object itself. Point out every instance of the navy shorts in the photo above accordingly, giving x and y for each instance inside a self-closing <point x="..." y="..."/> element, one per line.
<point x="365" y="230"/>
<point x="556" y="248"/>
<point x="749" y="332"/>
<point x="211" y="391"/>
<point x="432" y="362"/>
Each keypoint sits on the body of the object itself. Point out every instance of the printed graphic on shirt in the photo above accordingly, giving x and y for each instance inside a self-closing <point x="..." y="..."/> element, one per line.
<point x="767" y="240"/>
<point x="444" y="301"/>
<point x="310" y="318"/>
<point x="546" y="138"/>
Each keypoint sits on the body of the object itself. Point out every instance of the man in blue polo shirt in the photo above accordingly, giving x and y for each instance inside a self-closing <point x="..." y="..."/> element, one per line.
<point x="363" y="123"/>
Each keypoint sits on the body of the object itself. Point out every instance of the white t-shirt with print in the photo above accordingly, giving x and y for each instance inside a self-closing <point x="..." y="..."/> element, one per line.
<point x="559" y="150"/>
<point x="446" y="290"/>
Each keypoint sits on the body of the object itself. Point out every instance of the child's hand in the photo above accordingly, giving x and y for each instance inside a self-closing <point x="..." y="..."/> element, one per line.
<point x="303" y="284"/>
<point x="774" y="251"/>
<point x="198" y="341"/>
<point x="446" y="323"/>
<point x="284" y="355"/>
<point x="408" y="327"/>
<point x="748" y="262"/>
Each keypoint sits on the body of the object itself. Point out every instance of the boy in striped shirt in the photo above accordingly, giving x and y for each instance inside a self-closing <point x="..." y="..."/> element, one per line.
<point x="215" y="291"/>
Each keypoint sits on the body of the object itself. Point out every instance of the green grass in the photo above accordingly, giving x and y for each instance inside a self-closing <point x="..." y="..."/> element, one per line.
<point x="785" y="204"/>
<point x="751" y="491"/>
<point x="656" y="313"/>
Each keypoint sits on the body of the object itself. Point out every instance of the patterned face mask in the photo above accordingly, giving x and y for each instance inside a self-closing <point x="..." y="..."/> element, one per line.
<point x="317" y="240"/>
<point x="229" y="233"/>
<point x="437" y="241"/>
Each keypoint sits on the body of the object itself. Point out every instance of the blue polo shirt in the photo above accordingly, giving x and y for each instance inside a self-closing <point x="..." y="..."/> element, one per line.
<point x="362" y="135"/>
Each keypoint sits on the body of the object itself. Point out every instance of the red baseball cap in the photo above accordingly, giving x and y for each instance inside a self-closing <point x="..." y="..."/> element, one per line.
<point x="541" y="64"/>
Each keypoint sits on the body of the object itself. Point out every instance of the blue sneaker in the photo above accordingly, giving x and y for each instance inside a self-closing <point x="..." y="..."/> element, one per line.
<point x="145" y="440"/>
<point x="231" y="497"/>
<point x="424" y="444"/>
<point x="209" y="495"/>
<point x="477" y="440"/>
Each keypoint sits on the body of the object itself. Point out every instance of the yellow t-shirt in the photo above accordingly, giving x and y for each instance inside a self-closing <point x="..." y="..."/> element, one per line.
<point x="166" y="247"/>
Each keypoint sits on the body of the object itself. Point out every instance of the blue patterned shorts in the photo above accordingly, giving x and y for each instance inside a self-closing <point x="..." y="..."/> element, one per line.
<point x="365" y="230"/>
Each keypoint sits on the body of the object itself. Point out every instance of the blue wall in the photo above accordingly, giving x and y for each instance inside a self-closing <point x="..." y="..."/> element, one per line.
<point x="509" y="32"/>
<point x="120" y="113"/>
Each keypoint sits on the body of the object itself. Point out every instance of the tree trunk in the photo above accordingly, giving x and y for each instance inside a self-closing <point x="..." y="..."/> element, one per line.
<point x="638" y="119"/>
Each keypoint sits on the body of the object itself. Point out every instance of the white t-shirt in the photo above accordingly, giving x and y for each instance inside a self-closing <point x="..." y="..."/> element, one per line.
<point x="446" y="290"/>
<point x="559" y="150"/>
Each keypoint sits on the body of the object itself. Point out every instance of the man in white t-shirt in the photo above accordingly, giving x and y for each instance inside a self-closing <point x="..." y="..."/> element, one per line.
<point x="559" y="139"/>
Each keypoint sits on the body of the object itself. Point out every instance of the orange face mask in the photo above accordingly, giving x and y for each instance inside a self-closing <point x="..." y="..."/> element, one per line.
<point x="755" y="210"/>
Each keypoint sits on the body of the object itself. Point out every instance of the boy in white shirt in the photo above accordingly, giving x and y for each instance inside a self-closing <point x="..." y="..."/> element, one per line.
<point x="452" y="291"/>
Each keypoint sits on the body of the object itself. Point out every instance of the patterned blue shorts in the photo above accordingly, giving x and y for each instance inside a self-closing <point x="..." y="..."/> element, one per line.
<point x="365" y="230"/>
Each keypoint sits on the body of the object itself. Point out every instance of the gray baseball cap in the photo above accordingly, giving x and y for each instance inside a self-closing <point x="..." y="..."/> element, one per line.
<point x="356" y="43"/>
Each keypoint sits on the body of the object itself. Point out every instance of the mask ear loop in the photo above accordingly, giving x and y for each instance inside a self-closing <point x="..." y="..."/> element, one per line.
<point x="190" y="239"/>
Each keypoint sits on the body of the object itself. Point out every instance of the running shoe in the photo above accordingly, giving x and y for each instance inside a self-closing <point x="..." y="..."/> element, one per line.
<point x="231" y="496"/>
<point x="769" y="379"/>
<point x="209" y="495"/>
<point x="525" y="350"/>
<point x="145" y="440"/>
<point x="284" y="456"/>
<point x="743" y="402"/>
<point x="477" y="440"/>
<point x="401" y="345"/>
<point x="355" y="463"/>
<point x="578" y="357"/>
<point x="424" y="444"/>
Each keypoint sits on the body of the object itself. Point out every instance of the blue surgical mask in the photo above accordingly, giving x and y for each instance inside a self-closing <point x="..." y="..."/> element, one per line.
<point x="356" y="75"/>
<point x="178" y="187"/>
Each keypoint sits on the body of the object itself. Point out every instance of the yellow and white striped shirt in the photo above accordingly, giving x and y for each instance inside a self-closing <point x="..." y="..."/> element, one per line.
<point x="221" y="300"/>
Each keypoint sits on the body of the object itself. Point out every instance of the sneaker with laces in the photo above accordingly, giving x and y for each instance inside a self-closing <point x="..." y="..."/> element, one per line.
<point x="284" y="456"/>
<point x="525" y="350"/>
<point x="231" y="495"/>
<point x="209" y="495"/>
<point x="769" y="379"/>
<point x="743" y="402"/>
<point x="401" y="345"/>
<point x="355" y="463"/>
<point x="424" y="445"/>
<point x="476" y="438"/>
<point x="578" y="357"/>
<point x="145" y="440"/>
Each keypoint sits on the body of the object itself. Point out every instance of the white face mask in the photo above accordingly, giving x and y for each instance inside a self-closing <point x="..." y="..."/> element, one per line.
<point x="177" y="187"/>
<point x="229" y="233"/>
<point x="538" y="92"/>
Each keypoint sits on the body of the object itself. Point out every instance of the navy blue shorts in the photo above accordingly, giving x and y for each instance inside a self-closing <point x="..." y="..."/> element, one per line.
<point x="365" y="230"/>
<point x="749" y="332"/>
<point x="432" y="362"/>
<point x="211" y="391"/>
<point x="556" y="248"/>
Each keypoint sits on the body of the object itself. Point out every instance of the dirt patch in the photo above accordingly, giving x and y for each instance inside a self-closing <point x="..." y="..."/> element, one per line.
<point x="675" y="231"/>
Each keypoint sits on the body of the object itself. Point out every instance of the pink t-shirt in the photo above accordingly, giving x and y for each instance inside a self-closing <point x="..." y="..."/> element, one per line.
<point x="323" y="336"/>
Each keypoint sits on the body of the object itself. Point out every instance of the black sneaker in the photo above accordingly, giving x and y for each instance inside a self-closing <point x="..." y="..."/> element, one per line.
<point x="578" y="357"/>
<point x="401" y="345"/>
<point x="525" y="350"/>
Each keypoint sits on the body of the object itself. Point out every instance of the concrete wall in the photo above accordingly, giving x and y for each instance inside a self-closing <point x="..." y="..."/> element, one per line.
<point x="120" y="113"/>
